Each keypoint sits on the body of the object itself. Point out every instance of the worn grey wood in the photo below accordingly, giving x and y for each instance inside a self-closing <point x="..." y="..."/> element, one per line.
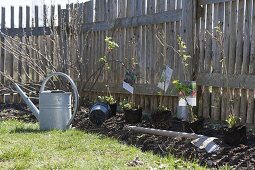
<point x="250" y="107"/>
<point x="11" y="55"/>
<point x="20" y="64"/>
<point x="226" y="35"/>
<point x="245" y="62"/>
<point x="188" y="32"/>
<point x="204" y="2"/>
<point x="207" y="62"/>
<point x="142" y="89"/>
<point x="37" y="31"/>
<point x="219" y="80"/>
<point x="36" y="39"/>
<point x="158" y="18"/>
<point x="239" y="54"/>
<point x="28" y="71"/>
<point x="2" y="51"/>
<point x="216" y="64"/>
<point x="232" y="46"/>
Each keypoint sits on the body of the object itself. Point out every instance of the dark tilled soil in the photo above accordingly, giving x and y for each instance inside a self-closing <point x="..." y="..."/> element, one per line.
<point x="238" y="157"/>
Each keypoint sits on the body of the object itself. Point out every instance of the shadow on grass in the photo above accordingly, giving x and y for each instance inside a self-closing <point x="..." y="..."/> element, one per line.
<point x="27" y="130"/>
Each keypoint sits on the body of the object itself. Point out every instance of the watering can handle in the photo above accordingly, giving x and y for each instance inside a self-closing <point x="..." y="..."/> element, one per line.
<point x="76" y="94"/>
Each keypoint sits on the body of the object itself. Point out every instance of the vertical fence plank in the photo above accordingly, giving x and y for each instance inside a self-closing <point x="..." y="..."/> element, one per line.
<point x="188" y="32"/>
<point x="20" y="63"/>
<point x="207" y="62"/>
<point x="215" y="108"/>
<point x="122" y="38"/>
<point x="88" y="18"/>
<point x="201" y="58"/>
<point x="245" y="62"/>
<point x="114" y="34"/>
<point x="170" y="36"/>
<point x="232" y="47"/>
<point x="239" y="54"/>
<point x="36" y="40"/>
<point x="179" y="67"/>
<point x="2" y="52"/>
<point x="250" y="106"/>
<point x="11" y="55"/>
<point x="226" y="34"/>
<point x="27" y="40"/>
<point x="2" y="47"/>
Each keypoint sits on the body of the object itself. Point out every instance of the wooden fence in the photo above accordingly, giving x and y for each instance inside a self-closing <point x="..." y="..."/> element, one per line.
<point x="146" y="30"/>
<point x="235" y="19"/>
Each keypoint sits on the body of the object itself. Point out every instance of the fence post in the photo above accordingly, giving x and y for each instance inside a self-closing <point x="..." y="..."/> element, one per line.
<point x="2" y="52"/>
<point x="64" y="37"/>
<point x="2" y="61"/>
<point x="188" y="30"/>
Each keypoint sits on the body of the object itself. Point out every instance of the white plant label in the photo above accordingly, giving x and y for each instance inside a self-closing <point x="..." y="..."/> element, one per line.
<point x="128" y="87"/>
<point x="191" y="100"/>
<point x="165" y="78"/>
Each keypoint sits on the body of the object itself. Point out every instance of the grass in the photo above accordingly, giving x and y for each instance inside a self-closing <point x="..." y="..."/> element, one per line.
<point x="23" y="146"/>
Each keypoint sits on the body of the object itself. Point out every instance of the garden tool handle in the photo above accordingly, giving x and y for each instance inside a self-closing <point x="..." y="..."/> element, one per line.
<point x="76" y="94"/>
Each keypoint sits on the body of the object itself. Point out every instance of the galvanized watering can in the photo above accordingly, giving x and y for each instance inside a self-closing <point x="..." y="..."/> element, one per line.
<point x="55" y="106"/>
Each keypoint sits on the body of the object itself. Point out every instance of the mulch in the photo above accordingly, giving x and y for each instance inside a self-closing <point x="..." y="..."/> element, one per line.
<point x="238" y="157"/>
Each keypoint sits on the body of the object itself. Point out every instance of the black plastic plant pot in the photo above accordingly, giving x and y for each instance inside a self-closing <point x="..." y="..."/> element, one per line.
<point x="235" y="136"/>
<point x="133" y="115"/>
<point x="113" y="109"/>
<point x="193" y="127"/>
<point x="162" y="119"/>
<point x="99" y="112"/>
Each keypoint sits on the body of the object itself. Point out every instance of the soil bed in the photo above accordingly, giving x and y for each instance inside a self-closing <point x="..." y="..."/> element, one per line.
<point x="239" y="157"/>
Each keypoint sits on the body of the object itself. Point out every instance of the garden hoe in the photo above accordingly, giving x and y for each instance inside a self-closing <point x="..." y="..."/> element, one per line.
<point x="200" y="141"/>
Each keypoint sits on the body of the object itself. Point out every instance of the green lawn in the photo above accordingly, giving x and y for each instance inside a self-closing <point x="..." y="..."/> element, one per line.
<point x="23" y="146"/>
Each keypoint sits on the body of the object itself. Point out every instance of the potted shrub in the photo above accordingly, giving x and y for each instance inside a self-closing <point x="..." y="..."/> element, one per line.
<point x="192" y="124"/>
<point x="132" y="112"/>
<point x="110" y="101"/>
<point x="162" y="118"/>
<point x="234" y="133"/>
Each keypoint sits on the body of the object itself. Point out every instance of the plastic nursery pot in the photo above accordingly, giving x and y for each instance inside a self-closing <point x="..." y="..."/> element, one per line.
<point x="235" y="136"/>
<point x="162" y="119"/>
<point x="193" y="127"/>
<point x="133" y="115"/>
<point x="113" y="109"/>
<point x="99" y="112"/>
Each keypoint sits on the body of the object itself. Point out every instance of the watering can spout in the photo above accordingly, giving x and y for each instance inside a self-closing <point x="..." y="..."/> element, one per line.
<point x="30" y="104"/>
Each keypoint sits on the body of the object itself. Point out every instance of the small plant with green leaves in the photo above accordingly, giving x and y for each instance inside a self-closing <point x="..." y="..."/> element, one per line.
<point x="233" y="121"/>
<point x="126" y="105"/>
<point x="111" y="45"/>
<point x="107" y="99"/>
<point x="184" y="55"/>
<point x="184" y="90"/>
<point x="162" y="108"/>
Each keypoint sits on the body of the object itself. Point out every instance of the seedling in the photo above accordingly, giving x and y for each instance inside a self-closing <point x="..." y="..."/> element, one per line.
<point x="126" y="105"/>
<point x="162" y="108"/>
<point x="107" y="99"/>
<point x="233" y="121"/>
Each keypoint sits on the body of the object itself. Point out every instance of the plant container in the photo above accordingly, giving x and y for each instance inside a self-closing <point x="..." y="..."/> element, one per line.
<point x="113" y="109"/>
<point x="162" y="119"/>
<point x="99" y="112"/>
<point x="194" y="126"/>
<point x="133" y="115"/>
<point x="235" y="136"/>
